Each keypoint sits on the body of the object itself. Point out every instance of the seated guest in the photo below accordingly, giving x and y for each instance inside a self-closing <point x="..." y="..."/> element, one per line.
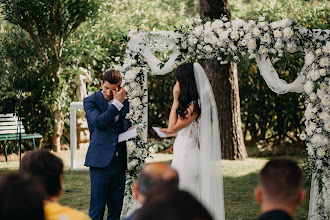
<point x="48" y="168"/>
<point x="168" y="203"/>
<point x="151" y="175"/>
<point x="21" y="197"/>
<point x="280" y="189"/>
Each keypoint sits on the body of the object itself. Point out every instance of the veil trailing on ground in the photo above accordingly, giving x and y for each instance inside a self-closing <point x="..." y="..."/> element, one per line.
<point x="210" y="175"/>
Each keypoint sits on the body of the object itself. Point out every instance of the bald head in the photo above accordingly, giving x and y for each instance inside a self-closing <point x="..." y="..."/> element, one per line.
<point x="155" y="173"/>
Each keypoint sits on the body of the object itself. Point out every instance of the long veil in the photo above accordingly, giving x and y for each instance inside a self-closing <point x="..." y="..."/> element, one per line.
<point x="210" y="174"/>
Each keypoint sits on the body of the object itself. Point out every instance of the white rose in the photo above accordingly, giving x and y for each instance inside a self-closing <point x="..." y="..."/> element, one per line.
<point x="262" y="50"/>
<point x="287" y="32"/>
<point x="317" y="139"/>
<point x="208" y="49"/>
<point x="320" y="93"/>
<point x="326" y="100"/>
<point x="199" y="46"/>
<point x="275" y="25"/>
<point x="323" y="85"/>
<point x="227" y="24"/>
<point x="251" y="44"/>
<point x="324" y="116"/>
<point x="310" y="150"/>
<point x="318" y="52"/>
<point x="309" y="58"/>
<point x="322" y="72"/>
<point x="198" y="31"/>
<point x="279" y="45"/>
<point x="135" y="102"/>
<point x="320" y="152"/>
<point x="132" y="164"/>
<point x="292" y="47"/>
<point x="248" y="36"/>
<point x="256" y="31"/>
<point x="324" y="61"/>
<point x="277" y="33"/>
<point x="224" y="35"/>
<point x="208" y="28"/>
<point x="262" y="24"/>
<point x="130" y="75"/>
<point x="326" y="47"/>
<point x="261" y="18"/>
<point x="217" y="24"/>
<point x="319" y="164"/>
<point x="234" y="35"/>
<point x="266" y="38"/>
<point x="327" y="126"/>
<point x="252" y="56"/>
<point x="312" y="96"/>
<point x="238" y="23"/>
<point x="220" y="43"/>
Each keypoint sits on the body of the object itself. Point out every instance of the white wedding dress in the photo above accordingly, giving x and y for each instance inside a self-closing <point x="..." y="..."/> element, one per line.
<point x="186" y="158"/>
<point x="197" y="151"/>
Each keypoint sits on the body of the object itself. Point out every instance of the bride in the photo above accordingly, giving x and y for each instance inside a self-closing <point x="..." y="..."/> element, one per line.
<point x="196" y="151"/>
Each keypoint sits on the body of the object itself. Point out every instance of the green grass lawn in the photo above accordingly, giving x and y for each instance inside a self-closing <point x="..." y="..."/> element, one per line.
<point x="240" y="180"/>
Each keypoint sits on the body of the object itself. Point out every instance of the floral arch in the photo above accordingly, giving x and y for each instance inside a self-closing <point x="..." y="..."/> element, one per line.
<point x="260" y="40"/>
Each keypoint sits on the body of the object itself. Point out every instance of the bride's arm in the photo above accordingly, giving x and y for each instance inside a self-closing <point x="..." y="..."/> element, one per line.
<point x="175" y="123"/>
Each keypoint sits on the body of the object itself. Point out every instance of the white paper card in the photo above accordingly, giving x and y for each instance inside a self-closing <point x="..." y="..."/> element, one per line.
<point x="127" y="135"/>
<point x="159" y="132"/>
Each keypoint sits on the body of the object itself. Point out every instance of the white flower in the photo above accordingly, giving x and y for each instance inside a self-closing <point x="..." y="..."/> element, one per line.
<point x="130" y="75"/>
<point x="285" y="22"/>
<point x="310" y="150"/>
<point x="292" y="47"/>
<point x="319" y="164"/>
<point x="320" y="152"/>
<point x="262" y="24"/>
<point x="277" y="33"/>
<point x="238" y="23"/>
<point x="198" y="31"/>
<point x="234" y="35"/>
<point x="256" y="31"/>
<point x="220" y="43"/>
<point x="261" y="18"/>
<point x="208" y="49"/>
<point x="325" y="100"/>
<point x="217" y="24"/>
<point x="224" y="18"/>
<point x="199" y="46"/>
<point x="287" y="32"/>
<point x="322" y="72"/>
<point x="227" y="24"/>
<point x="224" y="35"/>
<point x="275" y="24"/>
<point x="312" y="96"/>
<point x="318" y="140"/>
<point x="327" y="126"/>
<point x="135" y="102"/>
<point x="208" y="28"/>
<point x="279" y="45"/>
<point x="266" y="38"/>
<point x="251" y="44"/>
<point x="252" y="56"/>
<point x="248" y="36"/>
<point x="326" y="47"/>
<point x="132" y="164"/>
<point x="309" y="58"/>
<point x="324" y="61"/>
<point x="318" y="52"/>
<point x="302" y="137"/>
<point x="262" y="50"/>
<point x="151" y="150"/>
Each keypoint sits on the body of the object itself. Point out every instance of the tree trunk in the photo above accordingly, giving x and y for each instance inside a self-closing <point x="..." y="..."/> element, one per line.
<point x="58" y="122"/>
<point x="224" y="82"/>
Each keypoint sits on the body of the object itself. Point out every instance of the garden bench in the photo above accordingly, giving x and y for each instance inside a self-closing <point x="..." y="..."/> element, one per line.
<point x="8" y="131"/>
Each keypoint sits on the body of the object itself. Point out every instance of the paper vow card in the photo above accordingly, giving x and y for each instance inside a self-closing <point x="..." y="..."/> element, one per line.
<point x="127" y="135"/>
<point x="159" y="132"/>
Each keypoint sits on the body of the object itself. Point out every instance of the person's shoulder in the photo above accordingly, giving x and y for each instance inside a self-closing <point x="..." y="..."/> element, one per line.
<point x="74" y="213"/>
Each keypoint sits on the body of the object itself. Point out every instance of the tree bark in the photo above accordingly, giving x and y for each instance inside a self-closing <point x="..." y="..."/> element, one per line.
<point x="224" y="82"/>
<point x="58" y="122"/>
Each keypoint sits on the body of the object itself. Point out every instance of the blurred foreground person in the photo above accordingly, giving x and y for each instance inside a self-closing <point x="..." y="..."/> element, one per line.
<point x="48" y="168"/>
<point x="280" y="189"/>
<point x="169" y="203"/>
<point x="21" y="197"/>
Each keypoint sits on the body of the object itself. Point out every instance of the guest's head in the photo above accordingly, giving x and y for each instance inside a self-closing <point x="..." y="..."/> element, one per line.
<point x="169" y="203"/>
<point x="21" y="197"/>
<point x="48" y="168"/>
<point x="112" y="80"/>
<point x="151" y="175"/>
<point x="280" y="186"/>
<point x="188" y="89"/>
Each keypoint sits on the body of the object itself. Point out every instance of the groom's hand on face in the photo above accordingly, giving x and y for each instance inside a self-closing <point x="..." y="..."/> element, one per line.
<point x="120" y="96"/>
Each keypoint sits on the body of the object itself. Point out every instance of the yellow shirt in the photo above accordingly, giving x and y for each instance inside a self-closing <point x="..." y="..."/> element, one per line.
<point x="55" y="211"/>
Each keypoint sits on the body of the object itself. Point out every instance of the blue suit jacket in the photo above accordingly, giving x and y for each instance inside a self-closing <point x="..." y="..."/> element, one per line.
<point x="104" y="129"/>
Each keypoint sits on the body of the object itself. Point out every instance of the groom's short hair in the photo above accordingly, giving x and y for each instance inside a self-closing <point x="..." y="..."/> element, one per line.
<point x="156" y="173"/>
<point x="112" y="76"/>
<point x="281" y="181"/>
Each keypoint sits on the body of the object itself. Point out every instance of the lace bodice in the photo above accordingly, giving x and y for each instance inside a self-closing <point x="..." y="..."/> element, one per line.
<point x="191" y="131"/>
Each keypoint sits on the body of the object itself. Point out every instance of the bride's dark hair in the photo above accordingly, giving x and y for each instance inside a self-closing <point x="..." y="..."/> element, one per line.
<point x="188" y="90"/>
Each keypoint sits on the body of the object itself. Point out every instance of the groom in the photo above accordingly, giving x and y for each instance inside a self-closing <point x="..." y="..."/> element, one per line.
<point x="106" y="158"/>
